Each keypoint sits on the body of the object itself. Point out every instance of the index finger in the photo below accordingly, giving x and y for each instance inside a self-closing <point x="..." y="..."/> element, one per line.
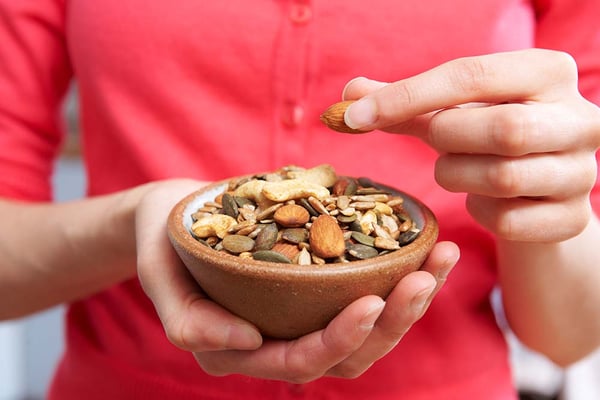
<point x="519" y="76"/>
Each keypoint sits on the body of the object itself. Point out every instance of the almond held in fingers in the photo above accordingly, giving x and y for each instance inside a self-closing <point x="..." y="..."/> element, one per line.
<point x="333" y="117"/>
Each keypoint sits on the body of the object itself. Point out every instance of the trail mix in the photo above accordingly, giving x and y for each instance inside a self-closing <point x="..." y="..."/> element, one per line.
<point x="304" y="216"/>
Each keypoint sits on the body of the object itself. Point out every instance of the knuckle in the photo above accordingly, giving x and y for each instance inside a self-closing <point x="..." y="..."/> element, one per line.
<point x="590" y="172"/>
<point x="175" y="336"/>
<point x="505" y="178"/>
<point x="565" y="62"/>
<point x="504" y="225"/>
<point x="511" y="132"/>
<point x="403" y="91"/>
<point x="184" y="336"/>
<point x="593" y="121"/>
<point x="581" y="213"/>
<point x="469" y="74"/>
<point x="297" y="369"/>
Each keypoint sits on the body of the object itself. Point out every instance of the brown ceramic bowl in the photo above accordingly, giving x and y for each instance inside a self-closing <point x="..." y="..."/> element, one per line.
<point x="287" y="300"/>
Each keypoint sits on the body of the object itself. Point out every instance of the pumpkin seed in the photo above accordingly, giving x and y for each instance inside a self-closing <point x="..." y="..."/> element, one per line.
<point x="267" y="237"/>
<point x="243" y="201"/>
<point x="270" y="256"/>
<point x="372" y="219"/>
<point x="363" y="239"/>
<point x="408" y="236"/>
<point x="346" y="219"/>
<point x="237" y="243"/>
<point x="361" y="251"/>
<point x="304" y="203"/>
<point x="295" y="235"/>
<point x="230" y="207"/>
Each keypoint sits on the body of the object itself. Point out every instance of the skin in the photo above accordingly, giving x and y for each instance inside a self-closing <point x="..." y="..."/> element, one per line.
<point x="119" y="235"/>
<point x="521" y="143"/>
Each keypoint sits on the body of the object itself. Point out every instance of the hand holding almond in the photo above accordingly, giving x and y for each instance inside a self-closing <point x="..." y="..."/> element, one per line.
<point x="519" y="140"/>
<point x="515" y="134"/>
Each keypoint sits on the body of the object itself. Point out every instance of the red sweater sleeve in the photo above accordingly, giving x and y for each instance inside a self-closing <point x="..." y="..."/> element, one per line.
<point x="574" y="27"/>
<point x="34" y="76"/>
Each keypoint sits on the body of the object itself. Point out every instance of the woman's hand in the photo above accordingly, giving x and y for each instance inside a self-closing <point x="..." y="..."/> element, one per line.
<point x="225" y="344"/>
<point x="512" y="131"/>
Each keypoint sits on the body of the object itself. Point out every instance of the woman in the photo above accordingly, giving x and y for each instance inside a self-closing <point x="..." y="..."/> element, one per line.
<point x="497" y="137"/>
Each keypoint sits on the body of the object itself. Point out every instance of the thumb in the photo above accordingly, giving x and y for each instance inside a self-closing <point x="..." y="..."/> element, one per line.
<point x="359" y="87"/>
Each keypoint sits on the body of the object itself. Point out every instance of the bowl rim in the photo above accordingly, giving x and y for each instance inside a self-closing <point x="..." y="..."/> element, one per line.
<point x="180" y="235"/>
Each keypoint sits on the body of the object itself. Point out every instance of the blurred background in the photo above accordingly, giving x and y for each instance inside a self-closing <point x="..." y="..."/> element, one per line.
<point x="30" y="347"/>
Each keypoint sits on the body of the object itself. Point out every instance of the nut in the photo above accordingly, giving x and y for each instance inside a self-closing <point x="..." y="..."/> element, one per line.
<point x="326" y="237"/>
<point x="304" y="216"/>
<point x="333" y="117"/>
<point x="323" y="175"/>
<point x="214" y="225"/>
<point x="291" y="216"/>
<point x="292" y="189"/>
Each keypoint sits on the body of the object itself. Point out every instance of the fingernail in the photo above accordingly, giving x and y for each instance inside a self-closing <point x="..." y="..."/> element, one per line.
<point x="243" y="337"/>
<point x="418" y="302"/>
<point x="368" y="321"/>
<point x="445" y="271"/>
<point x="361" y="113"/>
<point x="350" y="82"/>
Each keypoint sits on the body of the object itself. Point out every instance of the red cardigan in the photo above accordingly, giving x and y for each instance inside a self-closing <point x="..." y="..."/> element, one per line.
<point x="211" y="89"/>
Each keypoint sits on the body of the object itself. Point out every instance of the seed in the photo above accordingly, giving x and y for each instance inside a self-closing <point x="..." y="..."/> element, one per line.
<point x="268" y="212"/>
<point x="295" y="235"/>
<point x="267" y="237"/>
<point x="408" y="236"/>
<point x="237" y="243"/>
<point x="304" y="203"/>
<point x="317" y="205"/>
<point x="383" y="209"/>
<point x="363" y="205"/>
<point x="348" y="211"/>
<point x="389" y="223"/>
<point x="370" y="190"/>
<point x="361" y="251"/>
<point x="303" y="257"/>
<point x="381" y="197"/>
<point x="243" y="201"/>
<point x="247" y="214"/>
<point x="405" y="226"/>
<point x="270" y="256"/>
<point x="317" y="260"/>
<point x="230" y="207"/>
<point x="395" y="201"/>
<point x="381" y="232"/>
<point x="346" y="219"/>
<point x="343" y="202"/>
<point x="363" y="239"/>
<point x="275" y="215"/>
<point x="367" y="221"/>
<point x="387" y="244"/>
<point x="212" y="241"/>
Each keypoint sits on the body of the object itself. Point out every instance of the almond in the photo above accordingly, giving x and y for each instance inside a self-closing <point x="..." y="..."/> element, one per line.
<point x="326" y="237"/>
<point x="333" y="117"/>
<point x="291" y="216"/>
<point x="287" y="249"/>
